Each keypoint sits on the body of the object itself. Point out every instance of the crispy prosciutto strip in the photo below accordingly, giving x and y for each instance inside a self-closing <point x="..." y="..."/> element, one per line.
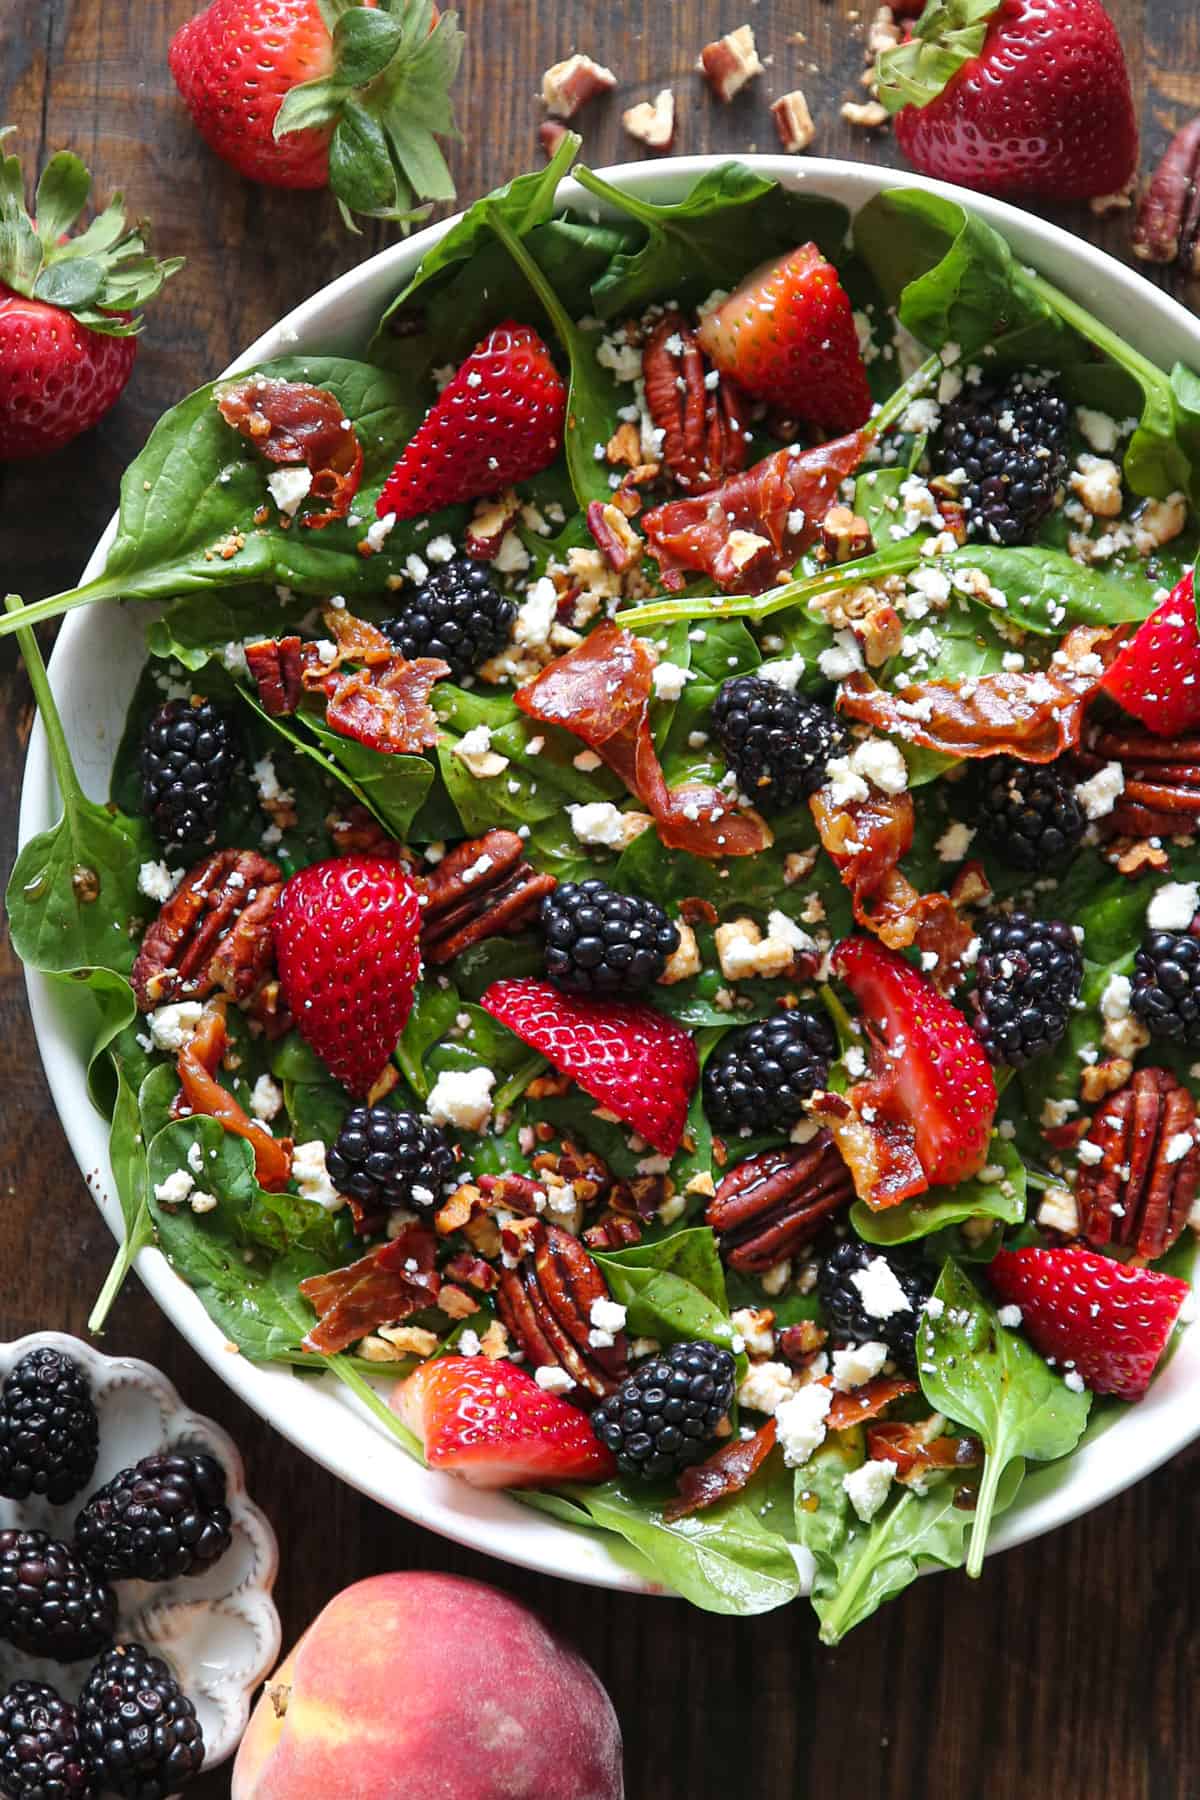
<point x="866" y="840"/>
<point x="384" y="703"/>
<point x="389" y="1285"/>
<point x="916" y="1453"/>
<point x="600" y="691"/>
<point x="199" y="1061"/>
<point x="725" y="1473"/>
<point x="780" y="501"/>
<point x="880" y="1153"/>
<point x="1034" y="715"/>
<point x="293" y="422"/>
<point x="867" y="1402"/>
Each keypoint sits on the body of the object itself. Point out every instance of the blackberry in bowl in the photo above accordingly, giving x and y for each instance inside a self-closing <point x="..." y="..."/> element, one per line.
<point x="1028" y="813"/>
<point x="777" y="743"/>
<point x="1011" y="444"/>
<point x="665" y="1415"/>
<point x="457" y="614"/>
<point x="598" y="941"/>
<point x="1029" y="975"/>
<point x="188" y="757"/>
<point x="384" y="1158"/>
<point x="758" y="1078"/>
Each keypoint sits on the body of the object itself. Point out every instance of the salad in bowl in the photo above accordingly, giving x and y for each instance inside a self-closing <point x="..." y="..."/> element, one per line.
<point x="645" y="917"/>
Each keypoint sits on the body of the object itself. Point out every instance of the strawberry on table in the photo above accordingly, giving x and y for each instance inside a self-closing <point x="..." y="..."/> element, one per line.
<point x="928" y="1068"/>
<point x="1110" y="1320"/>
<point x="292" y="99"/>
<point x="500" y="420"/>
<point x="68" y="306"/>
<point x="787" y="335"/>
<point x="1156" y="675"/>
<point x="639" y="1064"/>
<point x="348" y="953"/>
<point x="492" y="1424"/>
<point x="1015" y="97"/>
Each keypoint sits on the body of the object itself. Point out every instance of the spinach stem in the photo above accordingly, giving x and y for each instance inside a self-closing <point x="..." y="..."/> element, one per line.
<point x="560" y="319"/>
<point x="517" y="1082"/>
<point x="18" y="620"/>
<point x="985" y="1506"/>
<point x="132" y="1244"/>
<point x="346" y="1373"/>
<point x="55" y="605"/>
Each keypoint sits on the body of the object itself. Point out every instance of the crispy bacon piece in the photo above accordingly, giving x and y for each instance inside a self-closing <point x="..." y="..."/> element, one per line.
<point x="199" y="1061"/>
<point x="781" y="499"/>
<point x="293" y="422"/>
<point x="1033" y="715"/>
<point x="916" y="1453"/>
<point x="380" y="1289"/>
<point x="727" y="1472"/>
<point x="880" y="1153"/>
<point x="867" y="1402"/>
<point x="600" y="691"/>
<point x="866" y="840"/>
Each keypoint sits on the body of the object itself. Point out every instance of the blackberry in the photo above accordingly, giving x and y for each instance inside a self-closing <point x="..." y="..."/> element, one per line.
<point x="1166" y="986"/>
<point x="41" y="1757"/>
<point x="859" y="1318"/>
<point x="1011" y="442"/>
<point x="1029" y="974"/>
<point x="49" y="1435"/>
<point x="50" y="1605"/>
<point x="165" y="1517"/>
<point x="778" y="744"/>
<point x="601" y="942"/>
<point x="188" y="757"/>
<point x="140" y="1732"/>
<point x="458" y="614"/>
<point x="665" y="1415"/>
<point x="758" y="1078"/>
<point x="1028" y="812"/>
<point x="385" y="1158"/>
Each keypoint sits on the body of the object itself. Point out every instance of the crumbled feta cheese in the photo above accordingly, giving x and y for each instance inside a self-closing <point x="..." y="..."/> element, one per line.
<point x="785" y="672"/>
<point x="175" y="1189"/>
<point x="1058" y="1212"/>
<point x="1178" y="1145"/>
<point x="800" y="1422"/>
<point x="743" y="951"/>
<point x="288" y="488"/>
<point x="267" y="781"/>
<point x="1174" y="906"/>
<point x="171" y="1027"/>
<point x="439" y="549"/>
<point x="1097" y="481"/>
<point x="868" y="1486"/>
<point x="474" y="749"/>
<point x="536" y="614"/>
<point x="156" y="881"/>
<point x="879" y="761"/>
<point x="858" y="1364"/>
<point x="600" y="822"/>
<point x="462" y="1097"/>
<point x="767" y="1386"/>
<point x="607" y="1315"/>
<point x="842" y="658"/>
<point x="879" y="1290"/>
<point x="1097" y="429"/>
<point x="685" y="961"/>
<point x="1099" y="795"/>
<point x="312" y="1177"/>
<point x="669" y="680"/>
<point x="1010" y="1317"/>
<point x="754" y="1327"/>
<point x="266" y="1099"/>
<point x="954" y="842"/>
<point x="1074" y="1380"/>
<point x="512" y="556"/>
<point x="550" y="1378"/>
<point x="379" y="531"/>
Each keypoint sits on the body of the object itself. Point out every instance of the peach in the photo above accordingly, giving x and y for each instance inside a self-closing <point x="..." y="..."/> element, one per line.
<point x="416" y="1684"/>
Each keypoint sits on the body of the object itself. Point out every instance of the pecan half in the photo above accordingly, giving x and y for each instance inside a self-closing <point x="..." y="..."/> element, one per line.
<point x="704" y="436"/>
<point x="213" y="933"/>
<point x="546" y="1302"/>
<point x="767" y="1207"/>
<point x="481" y="889"/>
<point x="277" y="665"/>
<point x="1140" y="1192"/>
<point x="1168" y="218"/>
<point x="1161" y="796"/>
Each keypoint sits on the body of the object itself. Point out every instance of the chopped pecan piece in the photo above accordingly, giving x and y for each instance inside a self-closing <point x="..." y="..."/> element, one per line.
<point x="356" y="832"/>
<point x="730" y="62"/>
<point x="214" y="933"/>
<point x="568" y="85"/>
<point x="615" y="537"/>
<point x="546" y="1302"/>
<point x="767" y="1207"/>
<point x="798" y="1344"/>
<point x="652" y="122"/>
<point x="277" y="665"/>
<point x="793" y="122"/>
<point x="481" y="889"/>
<point x="613" y="1233"/>
<point x="1161" y="796"/>
<point x="472" y="1271"/>
<point x="844" y="535"/>
<point x="704" y="435"/>
<point x="1140" y="1192"/>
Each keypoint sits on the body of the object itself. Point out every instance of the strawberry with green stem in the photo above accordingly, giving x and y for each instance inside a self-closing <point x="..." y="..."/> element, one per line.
<point x="327" y="93"/>
<point x="68" y="306"/>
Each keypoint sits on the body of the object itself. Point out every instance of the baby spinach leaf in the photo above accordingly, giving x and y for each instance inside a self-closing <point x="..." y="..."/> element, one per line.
<point x="316" y="1103"/>
<point x="197" y="627"/>
<point x="394" y="786"/>
<point x="538" y="784"/>
<point x="127" y="1154"/>
<point x="1048" y="591"/>
<point x="673" y="1289"/>
<point x="433" y="1014"/>
<point x="732" y="220"/>
<point x="1002" y="1198"/>
<point x="276" y="1223"/>
<point x="989" y="1379"/>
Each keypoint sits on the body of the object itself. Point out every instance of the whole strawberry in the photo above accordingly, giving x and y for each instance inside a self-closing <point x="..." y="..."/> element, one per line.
<point x="1016" y="97"/>
<point x="310" y="94"/>
<point x="68" y="305"/>
<point x="1156" y="675"/>
<point x="347" y="950"/>
<point x="500" y="420"/>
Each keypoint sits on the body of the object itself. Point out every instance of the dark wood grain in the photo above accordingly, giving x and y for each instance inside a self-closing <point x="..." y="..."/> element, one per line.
<point x="1071" y="1668"/>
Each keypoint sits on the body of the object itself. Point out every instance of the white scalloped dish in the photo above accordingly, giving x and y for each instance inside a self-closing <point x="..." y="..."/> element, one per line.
<point x="219" y="1631"/>
<point x="94" y="668"/>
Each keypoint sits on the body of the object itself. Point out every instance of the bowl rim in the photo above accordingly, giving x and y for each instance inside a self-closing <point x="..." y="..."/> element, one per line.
<point x="493" y="1522"/>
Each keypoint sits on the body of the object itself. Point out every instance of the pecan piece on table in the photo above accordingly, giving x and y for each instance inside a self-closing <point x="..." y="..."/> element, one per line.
<point x="1161" y="796"/>
<point x="481" y="889"/>
<point x="704" y="435"/>
<point x="767" y="1207"/>
<point x="213" y="933"/>
<point x="1167" y="228"/>
<point x="1141" y="1191"/>
<point x="546" y="1302"/>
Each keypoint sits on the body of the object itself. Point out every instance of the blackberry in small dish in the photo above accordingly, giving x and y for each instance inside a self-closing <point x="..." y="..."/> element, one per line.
<point x="140" y="1732"/>
<point x="49" y="1434"/>
<point x="165" y="1517"/>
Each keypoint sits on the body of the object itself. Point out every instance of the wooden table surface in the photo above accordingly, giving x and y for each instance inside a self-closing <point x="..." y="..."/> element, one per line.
<point x="1072" y="1668"/>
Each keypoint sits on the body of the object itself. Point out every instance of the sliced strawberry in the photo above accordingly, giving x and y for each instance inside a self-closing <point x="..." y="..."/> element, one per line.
<point x="1111" y="1321"/>
<point x="492" y="1424"/>
<point x="928" y="1068"/>
<point x="640" y="1065"/>
<point x="347" y="949"/>
<point x="1156" y="676"/>
<point x="787" y="335"/>
<point x="500" y="420"/>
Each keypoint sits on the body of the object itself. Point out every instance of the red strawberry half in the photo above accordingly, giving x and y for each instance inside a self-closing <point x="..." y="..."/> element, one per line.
<point x="498" y="421"/>
<point x="640" y="1065"/>
<point x="1016" y="97"/>
<point x="492" y="1424"/>
<point x="1156" y="676"/>
<point x="348" y="954"/>
<point x="1111" y="1321"/>
<point x="787" y="335"/>
<point x="928" y="1068"/>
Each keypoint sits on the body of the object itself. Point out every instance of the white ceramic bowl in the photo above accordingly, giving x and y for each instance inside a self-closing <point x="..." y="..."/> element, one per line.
<point x="219" y="1631"/>
<point x="94" y="666"/>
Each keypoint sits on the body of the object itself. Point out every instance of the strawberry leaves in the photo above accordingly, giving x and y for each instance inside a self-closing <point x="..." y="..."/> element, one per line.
<point x="946" y="36"/>
<point x="100" y="277"/>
